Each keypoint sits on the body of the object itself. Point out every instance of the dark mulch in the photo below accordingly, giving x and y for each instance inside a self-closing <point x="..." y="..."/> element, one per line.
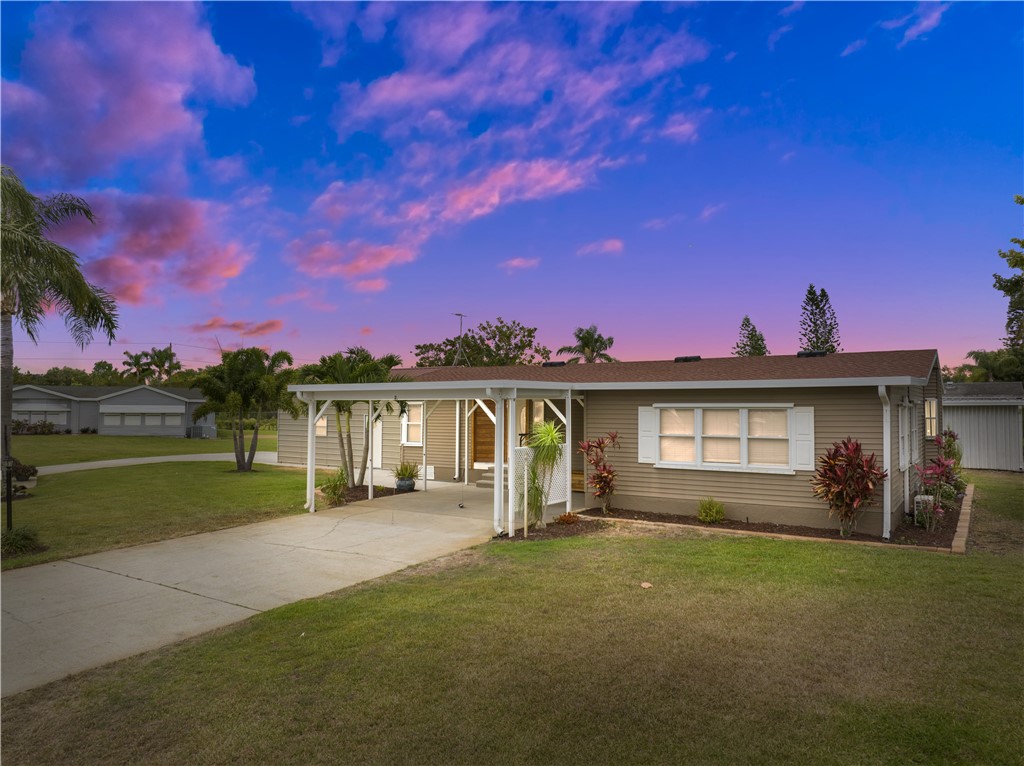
<point x="556" y="530"/>
<point x="906" y="534"/>
<point x="363" y="493"/>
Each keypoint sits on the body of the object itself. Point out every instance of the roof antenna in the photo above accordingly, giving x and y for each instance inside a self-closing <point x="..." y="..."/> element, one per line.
<point x="460" y="354"/>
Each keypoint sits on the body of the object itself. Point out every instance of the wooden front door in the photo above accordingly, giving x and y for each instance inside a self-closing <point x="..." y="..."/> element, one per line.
<point x="483" y="436"/>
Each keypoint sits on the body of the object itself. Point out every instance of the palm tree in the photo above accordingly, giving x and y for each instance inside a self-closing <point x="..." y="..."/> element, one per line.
<point x="40" y="276"/>
<point x="164" y="363"/>
<point x="591" y="346"/>
<point x="243" y="385"/>
<point x="356" y="365"/>
<point x="138" y="366"/>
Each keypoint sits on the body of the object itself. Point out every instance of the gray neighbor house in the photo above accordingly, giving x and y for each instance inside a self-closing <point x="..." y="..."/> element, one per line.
<point x="115" y="410"/>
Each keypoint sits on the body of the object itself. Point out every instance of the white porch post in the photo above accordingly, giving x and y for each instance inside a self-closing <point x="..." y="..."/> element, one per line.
<point x="465" y="455"/>
<point x="311" y="456"/>
<point x="499" y="462"/>
<point x="456" y="476"/>
<point x="511" y="439"/>
<point x="568" y="451"/>
<point x="423" y="438"/>
<point x="369" y="431"/>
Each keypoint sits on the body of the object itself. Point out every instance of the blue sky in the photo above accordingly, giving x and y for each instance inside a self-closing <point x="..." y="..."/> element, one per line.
<point x="316" y="176"/>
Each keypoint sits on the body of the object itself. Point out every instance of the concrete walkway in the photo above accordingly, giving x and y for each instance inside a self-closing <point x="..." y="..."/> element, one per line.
<point x="69" y="616"/>
<point x="266" y="458"/>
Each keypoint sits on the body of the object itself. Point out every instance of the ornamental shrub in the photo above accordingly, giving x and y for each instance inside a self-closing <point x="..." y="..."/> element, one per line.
<point x="23" y="471"/>
<point x="602" y="480"/>
<point x="846" y="479"/>
<point x="18" y="541"/>
<point x="938" y="480"/>
<point x="335" y="488"/>
<point x="710" y="511"/>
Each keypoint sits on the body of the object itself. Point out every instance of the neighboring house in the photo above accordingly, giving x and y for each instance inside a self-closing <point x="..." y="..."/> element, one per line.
<point x="115" y="410"/>
<point x="745" y="430"/>
<point x="988" y="419"/>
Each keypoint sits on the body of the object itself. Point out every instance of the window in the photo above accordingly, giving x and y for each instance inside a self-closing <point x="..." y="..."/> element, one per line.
<point x="172" y="420"/>
<point x="57" y="418"/>
<point x="132" y="420"/>
<point x="931" y="418"/>
<point x="412" y="425"/>
<point x="154" y="420"/>
<point x="111" y="419"/>
<point x="321" y="426"/>
<point x="765" y="438"/>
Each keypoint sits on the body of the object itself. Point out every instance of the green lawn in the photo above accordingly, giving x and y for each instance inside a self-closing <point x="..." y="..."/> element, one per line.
<point x="744" y="651"/>
<point x="997" y="521"/>
<point x="89" y="511"/>
<point x="80" y="448"/>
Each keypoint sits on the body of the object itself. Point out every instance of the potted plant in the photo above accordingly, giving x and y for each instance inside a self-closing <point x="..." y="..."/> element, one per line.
<point x="405" y="476"/>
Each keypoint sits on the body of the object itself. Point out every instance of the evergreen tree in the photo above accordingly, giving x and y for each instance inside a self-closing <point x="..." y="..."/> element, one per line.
<point x="751" y="342"/>
<point x="819" y="328"/>
<point x="1013" y="288"/>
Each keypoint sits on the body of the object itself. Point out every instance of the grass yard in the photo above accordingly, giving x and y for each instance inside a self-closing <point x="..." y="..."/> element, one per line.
<point x="80" y="448"/>
<point x="89" y="511"/>
<point x="744" y="651"/>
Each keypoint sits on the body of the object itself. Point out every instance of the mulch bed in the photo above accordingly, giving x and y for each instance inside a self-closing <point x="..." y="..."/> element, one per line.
<point x="906" y="534"/>
<point x="556" y="530"/>
<point x="363" y="493"/>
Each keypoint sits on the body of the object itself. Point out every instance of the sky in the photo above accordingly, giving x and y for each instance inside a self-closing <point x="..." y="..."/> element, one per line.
<point x="315" y="176"/>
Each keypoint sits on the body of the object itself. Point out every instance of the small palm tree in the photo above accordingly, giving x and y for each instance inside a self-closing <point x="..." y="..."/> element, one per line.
<point x="40" y="276"/>
<point x="356" y="365"/>
<point x="591" y="346"/>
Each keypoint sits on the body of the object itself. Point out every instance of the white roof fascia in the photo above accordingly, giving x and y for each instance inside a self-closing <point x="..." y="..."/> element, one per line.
<point x="982" y="402"/>
<point x="723" y="384"/>
<point x="463" y="389"/>
<point x="48" y="392"/>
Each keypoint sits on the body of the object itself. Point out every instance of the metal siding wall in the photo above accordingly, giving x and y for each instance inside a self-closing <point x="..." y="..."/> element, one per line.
<point x="991" y="436"/>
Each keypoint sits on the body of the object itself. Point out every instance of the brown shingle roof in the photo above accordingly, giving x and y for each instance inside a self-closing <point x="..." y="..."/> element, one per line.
<point x="866" y="364"/>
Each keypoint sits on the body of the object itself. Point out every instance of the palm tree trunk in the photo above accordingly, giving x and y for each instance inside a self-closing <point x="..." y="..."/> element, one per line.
<point x="366" y="453"/>
<point x="252" y="447"/>
<point x="349" y="462"/>
<point x="6" y="380"/>
<point x="239" y="437"/>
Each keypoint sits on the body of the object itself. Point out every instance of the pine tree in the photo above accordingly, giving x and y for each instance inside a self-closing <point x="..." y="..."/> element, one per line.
<point x="819" y="328"/>
<point x="751" y="342"/>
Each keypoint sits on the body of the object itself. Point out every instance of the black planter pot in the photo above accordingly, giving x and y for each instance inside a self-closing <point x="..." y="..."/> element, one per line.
<point x="405" y="485"/>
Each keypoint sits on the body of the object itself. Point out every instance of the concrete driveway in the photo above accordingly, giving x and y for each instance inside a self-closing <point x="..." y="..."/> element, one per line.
<point x="69" y="616"/>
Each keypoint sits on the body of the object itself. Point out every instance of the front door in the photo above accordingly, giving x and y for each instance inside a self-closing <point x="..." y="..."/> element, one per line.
<point x="483" y="436"/>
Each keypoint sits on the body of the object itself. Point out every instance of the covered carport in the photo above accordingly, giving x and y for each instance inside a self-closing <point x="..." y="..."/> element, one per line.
<point x="505" y="394"/>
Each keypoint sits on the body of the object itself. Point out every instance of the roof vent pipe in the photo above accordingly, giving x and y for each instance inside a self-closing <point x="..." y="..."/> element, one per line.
<point x="687" y="359"/>
<point x="806" y="354"/>
<point x="552" y="364"/>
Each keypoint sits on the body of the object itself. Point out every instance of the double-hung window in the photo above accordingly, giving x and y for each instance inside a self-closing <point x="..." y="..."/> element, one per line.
<point x="412" y="425"/>
<point x="759" y="438"/>
<point x="931" y="418"/>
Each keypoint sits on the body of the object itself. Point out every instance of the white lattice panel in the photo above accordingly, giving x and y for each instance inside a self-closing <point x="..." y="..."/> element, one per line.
<point x="519" y="480"/>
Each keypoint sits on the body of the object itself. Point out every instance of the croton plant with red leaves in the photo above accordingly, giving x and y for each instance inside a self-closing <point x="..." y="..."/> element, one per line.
<point x="846" y="479"/>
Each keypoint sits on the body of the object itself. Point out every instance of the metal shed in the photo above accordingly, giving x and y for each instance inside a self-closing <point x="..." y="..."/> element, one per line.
<point x="989" y="418"/>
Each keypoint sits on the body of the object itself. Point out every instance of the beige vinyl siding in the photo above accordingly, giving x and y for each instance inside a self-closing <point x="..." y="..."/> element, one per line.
<point x="897" y="478"/>
<point x="933" y="390"/>
<point x="291" y="440"/>
<point x="786" y="499"/>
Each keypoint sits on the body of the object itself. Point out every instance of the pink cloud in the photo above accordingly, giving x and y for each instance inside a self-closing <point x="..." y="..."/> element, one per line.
<point x="329" y="258"/>
<point x="512" y="182"/>
<point x="227" y="169"/>
<point x="245" y="329"/>
<point x="792" y="8"/>
<point x="135" y="78"/>
<point x="710" y="211"/>
<point x="375" y="285"/>
<point x="681" y="128"/>
<point x="140" y="241"/>
<point x="661" y="223"/>
<point x="603" y="247"/>
<point x="366" y="331"/>
<point x="926" y="18"/>
<point x="518" y="264"/>
<point x="306" y="297"/>
<point x="442" y="33"/>
<point x="787" y="157"/>
<point x="853" y="47"/>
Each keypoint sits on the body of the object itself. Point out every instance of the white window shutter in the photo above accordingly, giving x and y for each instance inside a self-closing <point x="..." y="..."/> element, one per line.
<point x="803" y="438"/>
<point x="647" y="436"/>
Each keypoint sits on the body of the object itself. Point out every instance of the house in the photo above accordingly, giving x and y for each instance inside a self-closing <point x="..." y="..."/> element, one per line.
<point x="745" y="430"/>
<point x="115" y="410"/>
<point x="988" y="419"/>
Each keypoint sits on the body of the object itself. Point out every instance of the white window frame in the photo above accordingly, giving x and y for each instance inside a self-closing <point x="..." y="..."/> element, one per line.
<point x="744" y="466"/>
<point x="405" y="426"/>
<point x="931" y="422"/>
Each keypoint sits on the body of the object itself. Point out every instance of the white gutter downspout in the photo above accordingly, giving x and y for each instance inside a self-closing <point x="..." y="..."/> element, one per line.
<point x="886" y="451"/>
<point x="458" y="436"/>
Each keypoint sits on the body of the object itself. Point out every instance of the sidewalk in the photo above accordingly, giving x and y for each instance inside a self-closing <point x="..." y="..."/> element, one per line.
<point x="264" y="458"/>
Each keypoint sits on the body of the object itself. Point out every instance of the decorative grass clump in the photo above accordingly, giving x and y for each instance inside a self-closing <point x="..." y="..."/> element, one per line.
<point x="19" y="541"/>
<point x="710" y="511"/>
